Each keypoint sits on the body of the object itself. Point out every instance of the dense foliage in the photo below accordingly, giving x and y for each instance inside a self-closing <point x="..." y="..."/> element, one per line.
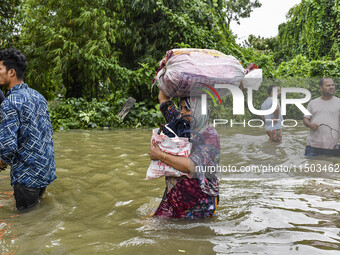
<point x="8" y="22"/>
<point x="97" y="53"/>
<point x="237" y="9"/>
<point x="301" y="66"/>
<point x="90" y="49"/>
<point x="312" y="30"/>
<point x="75" y="113"/>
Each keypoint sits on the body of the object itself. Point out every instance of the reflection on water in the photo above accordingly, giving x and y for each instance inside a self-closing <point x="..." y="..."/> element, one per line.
<point x="101" y="201"/>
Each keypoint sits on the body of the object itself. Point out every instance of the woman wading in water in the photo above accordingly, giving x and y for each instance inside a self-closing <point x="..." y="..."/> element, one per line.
<point x="196" y="196"/>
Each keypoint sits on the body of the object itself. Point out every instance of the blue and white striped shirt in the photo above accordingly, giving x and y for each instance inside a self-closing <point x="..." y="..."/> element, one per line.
<point x="26" y="137"/>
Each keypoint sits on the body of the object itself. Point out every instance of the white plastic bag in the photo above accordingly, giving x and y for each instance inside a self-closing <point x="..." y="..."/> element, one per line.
<point x="179" y="146"/>
<point x="253" y="79"/>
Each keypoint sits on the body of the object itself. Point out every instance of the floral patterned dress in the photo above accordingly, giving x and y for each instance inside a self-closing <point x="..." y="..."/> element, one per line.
<point x="195" y="197"/>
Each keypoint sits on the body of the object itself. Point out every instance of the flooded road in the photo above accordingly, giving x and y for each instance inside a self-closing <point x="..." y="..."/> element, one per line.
<point x="101" y="201"/>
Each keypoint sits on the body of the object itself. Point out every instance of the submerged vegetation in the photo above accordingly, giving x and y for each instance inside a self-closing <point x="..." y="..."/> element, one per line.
<point x="88" y="57"/>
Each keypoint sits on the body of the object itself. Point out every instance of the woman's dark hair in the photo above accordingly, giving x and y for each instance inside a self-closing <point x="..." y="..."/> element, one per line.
<point x="13" y="58"/>
<point x="270" y="88"/>
<point x="324" y="78"/>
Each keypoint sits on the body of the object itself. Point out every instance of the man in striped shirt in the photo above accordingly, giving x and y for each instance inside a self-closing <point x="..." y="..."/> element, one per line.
<point x="25" y="133"/>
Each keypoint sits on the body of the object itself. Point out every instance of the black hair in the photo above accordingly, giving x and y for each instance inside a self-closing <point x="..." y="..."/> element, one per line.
<point x="270" y="88"/>
<point x="321" y="80"/>
<point x="13" y="58"/>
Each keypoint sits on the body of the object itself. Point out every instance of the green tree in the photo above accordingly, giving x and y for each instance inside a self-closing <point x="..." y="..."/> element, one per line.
<point x="93" y="48"/>
<point x="151" y="28"/>
<point x="71" y="44"/>
<point x="237" y="9"/>
<point x="265" y="45"/>
<point x="8" y="22"/>
<point x="312" y="30"/>
<point x="301" y="66"/>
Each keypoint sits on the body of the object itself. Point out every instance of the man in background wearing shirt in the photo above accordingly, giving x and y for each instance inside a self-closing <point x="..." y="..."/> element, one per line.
<point x="25" y="133"/>
<point x="273" y="122"/>
<point x="323" y="121"/>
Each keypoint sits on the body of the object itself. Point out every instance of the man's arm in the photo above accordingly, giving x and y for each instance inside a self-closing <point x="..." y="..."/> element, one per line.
<point x="309" y="124"/>
<point x="9" y="127"/>
<point x="262" y="108"/>
<point x="307" y="118"/>
<point x="276" y="114"/>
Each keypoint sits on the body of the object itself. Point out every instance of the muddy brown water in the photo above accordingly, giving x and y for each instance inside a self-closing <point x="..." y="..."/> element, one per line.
<point x="101" y="201"/>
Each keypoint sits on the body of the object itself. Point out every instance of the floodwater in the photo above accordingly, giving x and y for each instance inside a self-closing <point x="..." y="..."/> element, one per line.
<point x="101" y="201"/>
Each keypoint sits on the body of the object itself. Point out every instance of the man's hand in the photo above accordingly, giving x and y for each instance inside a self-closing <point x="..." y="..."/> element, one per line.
<point x="313" y="126"/>
<point x="309" y="124"/>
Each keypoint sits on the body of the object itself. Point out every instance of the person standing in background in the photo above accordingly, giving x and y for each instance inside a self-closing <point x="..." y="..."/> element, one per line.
<point x="273" y="122"/>
<point x="323" y="121"/>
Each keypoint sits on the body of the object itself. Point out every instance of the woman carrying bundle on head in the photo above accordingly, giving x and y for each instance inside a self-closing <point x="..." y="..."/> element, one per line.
<point x="196" y="193"/>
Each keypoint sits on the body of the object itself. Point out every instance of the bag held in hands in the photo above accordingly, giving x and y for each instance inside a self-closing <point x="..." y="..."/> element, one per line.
<point x="178" y="146"/>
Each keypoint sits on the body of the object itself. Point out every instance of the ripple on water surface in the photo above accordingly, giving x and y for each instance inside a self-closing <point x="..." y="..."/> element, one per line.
<point x="100" y="203"/>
